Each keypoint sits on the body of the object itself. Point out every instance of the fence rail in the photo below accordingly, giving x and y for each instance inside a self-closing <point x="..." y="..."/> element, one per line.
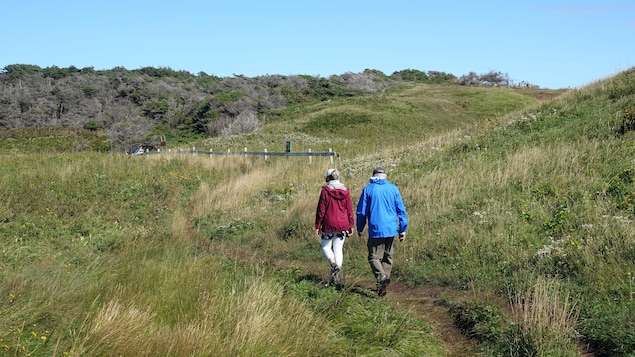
<point x="265" y="154"/>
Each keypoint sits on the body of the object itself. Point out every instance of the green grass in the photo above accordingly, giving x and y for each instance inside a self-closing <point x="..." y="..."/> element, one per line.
<point x="399" y="116"/>
<point x="99" y="259"/>
<point x="546" y="194"/>
<point x="51" y="140"/>
<point x="529" y="202"/>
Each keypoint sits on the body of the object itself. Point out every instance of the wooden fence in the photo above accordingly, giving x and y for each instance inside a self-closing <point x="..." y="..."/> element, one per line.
<point x="264" y="154"/>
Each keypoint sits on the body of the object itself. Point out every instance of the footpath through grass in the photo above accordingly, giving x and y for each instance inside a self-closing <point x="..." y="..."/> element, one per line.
<point x="111" y="255"/>
<point x="106" y="254"/>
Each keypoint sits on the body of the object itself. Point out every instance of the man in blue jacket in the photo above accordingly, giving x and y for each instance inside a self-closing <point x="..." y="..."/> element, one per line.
<point x="380" y="204"/>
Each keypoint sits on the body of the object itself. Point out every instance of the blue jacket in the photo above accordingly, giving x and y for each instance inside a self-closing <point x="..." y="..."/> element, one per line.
<point x="382" y="206"/>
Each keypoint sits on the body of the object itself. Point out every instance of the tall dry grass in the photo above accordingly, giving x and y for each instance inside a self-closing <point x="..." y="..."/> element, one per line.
<point x="247" y="318"/>
<point x="99" y="258"/>
<point x="239" y="180"/>
<point x="547" y="317"/>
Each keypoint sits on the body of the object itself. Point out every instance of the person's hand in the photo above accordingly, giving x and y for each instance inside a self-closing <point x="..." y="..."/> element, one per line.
<point x="402" y="236"/>
<point x="359" y="233"/>
<point x="350" y="232"/>
<point x="317" y="232"/>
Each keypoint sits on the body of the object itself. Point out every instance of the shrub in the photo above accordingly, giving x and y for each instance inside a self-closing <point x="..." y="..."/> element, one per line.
<point x="628" y="120"/>
<point x="610" y="328"/>
<point x="89" y="91"/>
<point x="411" y="75"/>
<point x="91" y="125"/>
<point x="245" y="122"/>
<point x="479" y="320"/>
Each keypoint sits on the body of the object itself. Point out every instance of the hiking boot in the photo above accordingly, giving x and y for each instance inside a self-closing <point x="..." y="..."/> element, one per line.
<point x="335" y="274"/>
<point x="382" y="283"/>
<point x="336" y="279"/>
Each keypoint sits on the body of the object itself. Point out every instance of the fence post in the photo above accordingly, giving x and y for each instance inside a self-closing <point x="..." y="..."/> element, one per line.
<point x="245" y="152"/>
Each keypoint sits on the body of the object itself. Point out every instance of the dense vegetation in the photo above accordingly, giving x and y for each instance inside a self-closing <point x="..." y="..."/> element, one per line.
<point x="142" y="106"/>
<point x="521" y="217"/>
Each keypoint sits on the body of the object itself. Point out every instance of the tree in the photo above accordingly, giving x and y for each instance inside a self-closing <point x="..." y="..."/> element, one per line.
<point x="491" y="78"/>
<point x="18" y="71"/>
<point x="411" y="75"/>
<point x="470" y="79"/>
<point x="495" y="78"/>
<point x="129" y="133"/>
<point x="441" y="77"/>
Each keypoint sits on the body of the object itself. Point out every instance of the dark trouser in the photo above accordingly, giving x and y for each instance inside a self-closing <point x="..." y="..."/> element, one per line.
<point x="380" y="252"/>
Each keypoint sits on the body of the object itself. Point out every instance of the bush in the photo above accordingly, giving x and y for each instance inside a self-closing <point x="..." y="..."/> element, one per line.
<point x="89" y="91"/>
<point x="91" y="125"/>
<point x="628" y="120"/>
<point x="610" y="328"/>
<point x="479" y="320"/>
<point x="245" y="122"/>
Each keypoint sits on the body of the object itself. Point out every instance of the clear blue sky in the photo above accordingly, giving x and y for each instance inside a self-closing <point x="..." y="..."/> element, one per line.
<point x="550" y="43"/>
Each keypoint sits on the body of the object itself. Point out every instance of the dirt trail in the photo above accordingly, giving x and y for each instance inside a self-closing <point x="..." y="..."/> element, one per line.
<point x="421" y="301"/>
<point x="424" y="303"/>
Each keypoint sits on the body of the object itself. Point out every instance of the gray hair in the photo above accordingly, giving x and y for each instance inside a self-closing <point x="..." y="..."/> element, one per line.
<point x="332" y="174"/>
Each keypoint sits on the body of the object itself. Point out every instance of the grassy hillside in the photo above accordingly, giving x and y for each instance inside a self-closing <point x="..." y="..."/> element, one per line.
<point x="143" y="106"/>
<point x="521" y="216"/>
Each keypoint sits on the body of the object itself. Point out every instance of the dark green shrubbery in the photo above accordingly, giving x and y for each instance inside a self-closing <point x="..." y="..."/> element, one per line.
<point x="610" y="327"/>
<point x="479" y="320"/>
<point x="628" y="120"/>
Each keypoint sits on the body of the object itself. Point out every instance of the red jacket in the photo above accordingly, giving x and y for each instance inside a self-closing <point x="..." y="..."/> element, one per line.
<point x="334" y="211"/>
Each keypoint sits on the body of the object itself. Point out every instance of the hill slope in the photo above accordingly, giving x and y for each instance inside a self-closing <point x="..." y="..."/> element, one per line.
<point x="511" y="200"/>
<point x="533" y="207"/>
<point x="147" y="105"/>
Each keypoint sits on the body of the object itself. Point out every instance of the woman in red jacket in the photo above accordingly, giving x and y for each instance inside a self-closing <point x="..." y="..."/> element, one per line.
<point x="334" y="221"/>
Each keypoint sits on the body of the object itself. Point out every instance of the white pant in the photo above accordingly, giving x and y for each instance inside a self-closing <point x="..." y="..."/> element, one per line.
<point x="333" y="249"/>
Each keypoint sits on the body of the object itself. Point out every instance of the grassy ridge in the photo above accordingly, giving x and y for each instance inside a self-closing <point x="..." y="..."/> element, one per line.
<point x="546" y="195"/>
<point x="403" y="115"/>
<point x="116" y="255"/>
